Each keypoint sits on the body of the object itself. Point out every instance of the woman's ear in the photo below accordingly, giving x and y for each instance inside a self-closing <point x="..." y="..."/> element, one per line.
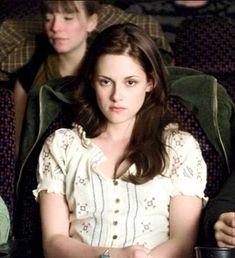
<point x="93" y="21"/>
<point x="149" y="86"/>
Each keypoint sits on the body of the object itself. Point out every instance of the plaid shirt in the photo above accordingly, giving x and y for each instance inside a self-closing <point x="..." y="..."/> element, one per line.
<point x="17" y="38"/>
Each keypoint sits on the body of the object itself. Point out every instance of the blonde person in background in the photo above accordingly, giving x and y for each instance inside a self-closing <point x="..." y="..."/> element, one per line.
<point x="67" y="25"/>
<point x="125" y="181"/>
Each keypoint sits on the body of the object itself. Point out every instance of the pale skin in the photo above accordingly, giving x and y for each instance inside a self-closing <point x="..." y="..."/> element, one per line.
<point x="191" y="3"/>
<point x="225" y="230"/>
<point x="67" y="34"/>
<point x="120" y="93"/>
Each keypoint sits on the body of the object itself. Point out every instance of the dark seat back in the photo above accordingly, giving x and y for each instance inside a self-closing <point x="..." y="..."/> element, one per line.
<point x="207" y="44"/>
<point x="7" y="148"/>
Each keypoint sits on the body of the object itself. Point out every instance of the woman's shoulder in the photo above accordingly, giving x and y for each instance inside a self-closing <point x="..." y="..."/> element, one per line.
<point x="185" y="166"/>
<point x="173" y="134"/>
<point x="180" y="142"/>
<point x="69" y="135"/>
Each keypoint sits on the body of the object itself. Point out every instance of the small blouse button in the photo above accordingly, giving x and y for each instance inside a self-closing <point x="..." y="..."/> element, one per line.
<point x="115" y="182"/>
<point x="115" y="223"/>
<point x="117" y="200"/>
<point x="114" y="236"/>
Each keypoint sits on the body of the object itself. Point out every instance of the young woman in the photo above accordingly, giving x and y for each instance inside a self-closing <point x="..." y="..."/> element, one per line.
<point x="124" y="181"/>
<point x="67" y="25"/>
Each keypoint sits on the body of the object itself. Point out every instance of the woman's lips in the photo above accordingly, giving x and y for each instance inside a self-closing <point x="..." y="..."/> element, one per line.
<point x="58" y="39"/>
<point x="117" y="109"/>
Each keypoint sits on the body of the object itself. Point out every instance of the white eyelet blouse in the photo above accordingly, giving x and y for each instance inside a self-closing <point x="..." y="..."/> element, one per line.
<point x="109" y="213"/>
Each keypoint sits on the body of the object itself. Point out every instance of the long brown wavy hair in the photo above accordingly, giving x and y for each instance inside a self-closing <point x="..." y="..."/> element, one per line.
<point x="146" y="148"/>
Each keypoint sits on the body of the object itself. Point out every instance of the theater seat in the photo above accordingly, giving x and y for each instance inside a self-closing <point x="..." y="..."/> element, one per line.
<point x="207" y="44"/>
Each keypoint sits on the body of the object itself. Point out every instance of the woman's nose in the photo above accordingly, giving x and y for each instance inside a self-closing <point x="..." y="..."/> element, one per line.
<point x="117" y="93"/>
<point x="56" y="24"/>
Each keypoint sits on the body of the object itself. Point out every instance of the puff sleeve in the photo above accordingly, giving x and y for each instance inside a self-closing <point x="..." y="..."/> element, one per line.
<point x="187" y="167"/>
<point x="52" y="164"/>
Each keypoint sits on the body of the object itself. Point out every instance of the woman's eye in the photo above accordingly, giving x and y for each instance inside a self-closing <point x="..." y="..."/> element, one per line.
<point x="105" y="82"/>
<point x="68" y="17"/>
<point x="131" y="83"/>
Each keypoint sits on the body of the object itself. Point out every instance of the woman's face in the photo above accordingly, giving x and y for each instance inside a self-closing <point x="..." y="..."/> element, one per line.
<point x="120" y="85"/>
<point x="67" y="32"/>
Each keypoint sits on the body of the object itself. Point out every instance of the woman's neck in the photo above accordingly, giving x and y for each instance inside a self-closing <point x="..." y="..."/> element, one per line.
<point x="69" y="63"/>
<point x="118" y="133"/>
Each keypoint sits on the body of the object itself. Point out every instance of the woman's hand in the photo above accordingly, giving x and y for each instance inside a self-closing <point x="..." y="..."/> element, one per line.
<point x="225" y="230"/>
<point x="136" y="251"/>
